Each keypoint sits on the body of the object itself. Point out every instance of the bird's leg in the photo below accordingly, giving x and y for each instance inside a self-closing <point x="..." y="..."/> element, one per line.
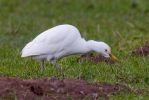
<point x="42" y="66"/>
<point x="58" y="68"/>
<point x="55" y="64"/>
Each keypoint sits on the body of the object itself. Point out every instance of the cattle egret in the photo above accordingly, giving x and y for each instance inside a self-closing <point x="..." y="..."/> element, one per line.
<point x="61" y="41"/>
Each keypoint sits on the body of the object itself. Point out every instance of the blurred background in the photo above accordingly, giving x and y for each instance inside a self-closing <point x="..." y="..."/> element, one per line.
<point x="113" y="21"/>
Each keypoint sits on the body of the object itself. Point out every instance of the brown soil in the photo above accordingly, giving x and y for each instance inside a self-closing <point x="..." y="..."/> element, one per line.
<point x="95" y="58"/>
<point x="53" y="89"/>
<point x="142" y="51"/>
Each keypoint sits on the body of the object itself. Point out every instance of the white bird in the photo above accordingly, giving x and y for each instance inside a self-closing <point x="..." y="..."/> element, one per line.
<point x="61" y="41"/>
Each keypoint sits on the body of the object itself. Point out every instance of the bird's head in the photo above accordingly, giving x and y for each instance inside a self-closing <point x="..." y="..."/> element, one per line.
<point x="105" y="50"/>
<point x="102" y="48"/>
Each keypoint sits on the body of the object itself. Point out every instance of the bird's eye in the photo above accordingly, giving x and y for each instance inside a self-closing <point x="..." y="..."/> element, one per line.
<point x="106" y="50"/>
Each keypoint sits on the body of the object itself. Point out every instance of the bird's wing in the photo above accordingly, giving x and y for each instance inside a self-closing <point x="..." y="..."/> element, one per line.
<point x="51" y="41"/>
<point x="57" y="34"/>
<point x="32" y="49"/>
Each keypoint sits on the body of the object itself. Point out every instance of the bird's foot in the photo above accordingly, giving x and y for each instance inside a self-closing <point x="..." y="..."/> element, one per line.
<point x="54" y="78"/>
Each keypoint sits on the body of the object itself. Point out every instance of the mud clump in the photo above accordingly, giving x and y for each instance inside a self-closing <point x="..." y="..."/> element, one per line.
<point x="95" y="58"/>
<point x="141" y="51"/>
<point x="53" y="89"/>
<point x="36" y="89"/>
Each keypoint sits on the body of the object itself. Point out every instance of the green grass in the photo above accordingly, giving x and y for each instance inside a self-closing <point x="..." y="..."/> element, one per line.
<point x="113" y="21"/>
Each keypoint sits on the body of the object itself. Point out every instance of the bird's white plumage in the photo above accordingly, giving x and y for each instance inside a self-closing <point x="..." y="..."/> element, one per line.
<point x="60" y="41"/>
<point x="52" y="42"/>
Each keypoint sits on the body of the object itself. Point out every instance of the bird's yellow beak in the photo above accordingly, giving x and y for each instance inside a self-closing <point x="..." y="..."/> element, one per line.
<point x="114" y="58"/>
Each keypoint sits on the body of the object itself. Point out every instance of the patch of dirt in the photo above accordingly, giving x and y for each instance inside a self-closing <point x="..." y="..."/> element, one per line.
<point x="54" y="89"/>
<point x="141" y="51"/>
<point x="95" y="58"/>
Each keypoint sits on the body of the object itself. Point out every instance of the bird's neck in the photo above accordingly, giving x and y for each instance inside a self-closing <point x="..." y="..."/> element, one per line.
<point x="83" y="46"/>
<point x="93" y="46"/>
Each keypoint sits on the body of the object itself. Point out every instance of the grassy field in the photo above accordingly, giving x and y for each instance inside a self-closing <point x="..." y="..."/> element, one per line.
<point x="123" y="24"/>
